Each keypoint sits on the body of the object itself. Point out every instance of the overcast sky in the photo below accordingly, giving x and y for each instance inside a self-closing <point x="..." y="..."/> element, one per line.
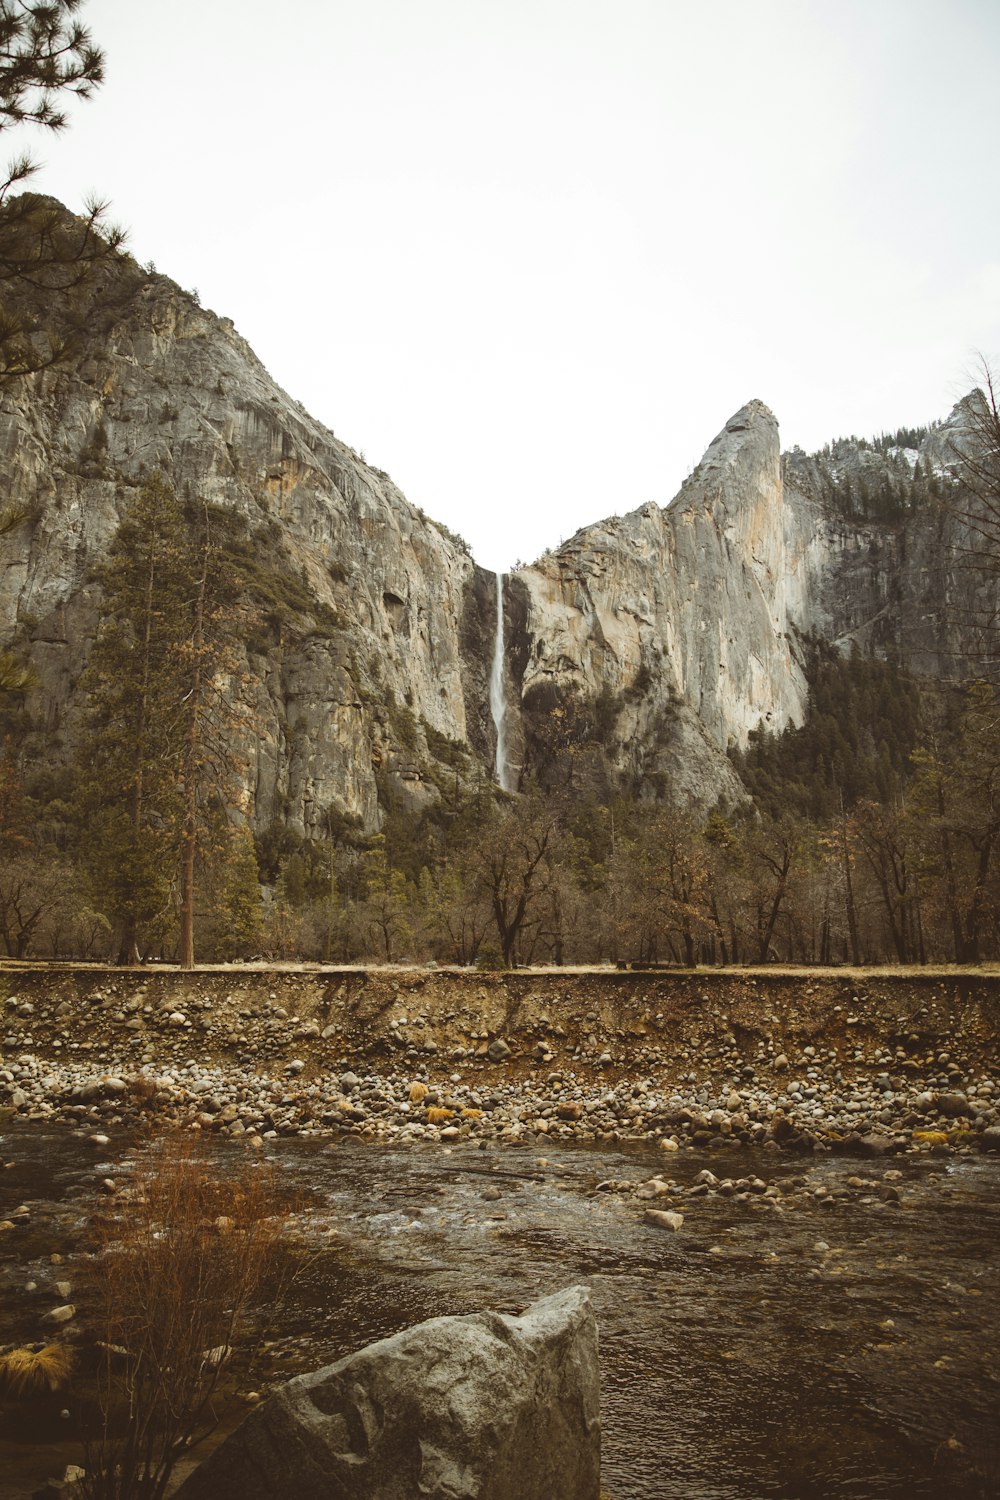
<point x="529" y="255"/>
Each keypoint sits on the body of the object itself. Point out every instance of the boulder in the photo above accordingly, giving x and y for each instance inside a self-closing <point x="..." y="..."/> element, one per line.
<point x="876" y="1145"/>
<point x="483" y="1407"/>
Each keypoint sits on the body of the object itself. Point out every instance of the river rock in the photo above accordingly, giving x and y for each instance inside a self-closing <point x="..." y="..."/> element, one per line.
<point x="664" y="1218"/>
<point x="955" y="1107"/>
<point x="57" y="1315"/>
<point x="483" y="1407"/>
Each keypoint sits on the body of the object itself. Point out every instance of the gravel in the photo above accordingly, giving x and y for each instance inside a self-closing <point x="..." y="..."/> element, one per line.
<point x="448" y="1057"/>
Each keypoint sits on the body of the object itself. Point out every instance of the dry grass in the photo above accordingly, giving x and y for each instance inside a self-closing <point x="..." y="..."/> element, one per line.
<point x="174" y="1281"/>
<point x="35" y="1371"/>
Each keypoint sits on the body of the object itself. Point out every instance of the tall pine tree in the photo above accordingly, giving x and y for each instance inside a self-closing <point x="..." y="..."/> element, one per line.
<point x="128" y="785"/>
<point x="161" y="728"/>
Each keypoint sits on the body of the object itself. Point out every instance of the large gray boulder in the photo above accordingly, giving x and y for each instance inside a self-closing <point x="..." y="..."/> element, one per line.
<point x="484" y="1407"/>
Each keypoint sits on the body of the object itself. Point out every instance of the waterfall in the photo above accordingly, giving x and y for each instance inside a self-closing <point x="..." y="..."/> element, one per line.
<point x="498" y="704"/>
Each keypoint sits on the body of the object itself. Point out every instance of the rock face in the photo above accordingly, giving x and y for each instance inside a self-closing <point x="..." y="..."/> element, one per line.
<point x="670" y="623"/>
<point x="485" y="1407"/>
<point x="636" y="653"/>
<point x="650" y="643"/>
<point x="907" y="582"/>
<point x="364" y="645"/>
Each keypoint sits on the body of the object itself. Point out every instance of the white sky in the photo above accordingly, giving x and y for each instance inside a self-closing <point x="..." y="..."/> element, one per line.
<point x="529" y="255"/>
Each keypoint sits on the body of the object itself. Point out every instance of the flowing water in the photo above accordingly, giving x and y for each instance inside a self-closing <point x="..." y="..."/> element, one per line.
<point x="845" y="1351"/>
<point x="498" y="700"/>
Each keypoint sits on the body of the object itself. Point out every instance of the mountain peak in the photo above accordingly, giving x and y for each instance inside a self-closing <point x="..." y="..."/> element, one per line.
<point x="754" y="411"/>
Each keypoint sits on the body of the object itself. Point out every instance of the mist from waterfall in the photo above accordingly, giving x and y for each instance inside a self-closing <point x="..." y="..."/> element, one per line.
<point x="498" y="702"/>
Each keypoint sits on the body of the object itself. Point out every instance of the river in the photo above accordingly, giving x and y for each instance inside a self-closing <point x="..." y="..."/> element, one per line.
<point x="824" y="1343"/>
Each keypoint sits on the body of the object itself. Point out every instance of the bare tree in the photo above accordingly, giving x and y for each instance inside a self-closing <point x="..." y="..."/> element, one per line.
<point x="176" y="1276"/>
<point x="510" y="864"/>
<point x="37" y="890"/>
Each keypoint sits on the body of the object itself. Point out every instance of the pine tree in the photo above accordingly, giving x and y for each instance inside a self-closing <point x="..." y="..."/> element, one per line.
<point x="46" y="55"/>
<point x="129" y="791"/>
<point x="162" y="681"/>
<point x="241" y="904"/>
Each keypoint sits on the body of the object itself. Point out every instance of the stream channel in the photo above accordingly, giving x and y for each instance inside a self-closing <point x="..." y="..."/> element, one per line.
<point x="799" y="1350"/>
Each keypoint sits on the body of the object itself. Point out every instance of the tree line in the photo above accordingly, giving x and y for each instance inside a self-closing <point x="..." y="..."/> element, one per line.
<point x="910" y="877"/>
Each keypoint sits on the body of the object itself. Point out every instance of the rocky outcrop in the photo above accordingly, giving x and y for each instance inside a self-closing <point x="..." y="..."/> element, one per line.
<point x="877" y="559"/>
<point x="363" y="600"/>
<point x="637" y="653"/>
<point x="484" y="1407"/>
<point x="671" y="623"/>
<point x="652" y="642"/>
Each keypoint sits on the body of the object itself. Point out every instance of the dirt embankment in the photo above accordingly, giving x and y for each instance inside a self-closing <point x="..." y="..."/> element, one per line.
<point x="800" y="1060"/>
<point x="621" y="1022"/>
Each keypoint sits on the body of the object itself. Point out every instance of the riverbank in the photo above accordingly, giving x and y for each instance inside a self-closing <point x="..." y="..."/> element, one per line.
<point x="865" y="1062"/>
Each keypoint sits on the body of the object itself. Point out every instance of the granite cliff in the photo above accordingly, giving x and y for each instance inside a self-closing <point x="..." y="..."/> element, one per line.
<point x="635" y="654"/>
<point x="365" y="645"/>
<point x="671" y="625"/>
<point x="650" y="643"/>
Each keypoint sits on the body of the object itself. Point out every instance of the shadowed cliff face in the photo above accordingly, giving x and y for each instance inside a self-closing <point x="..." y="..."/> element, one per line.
<point x="912" y="583"/>
<point x="635" y="654"/>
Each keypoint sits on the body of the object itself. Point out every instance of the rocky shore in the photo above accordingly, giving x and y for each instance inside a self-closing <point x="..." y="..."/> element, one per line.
<point x="867" y="1064"/>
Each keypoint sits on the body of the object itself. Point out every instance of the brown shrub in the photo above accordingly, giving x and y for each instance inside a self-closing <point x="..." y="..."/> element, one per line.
<point x="173" y="1283"/>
